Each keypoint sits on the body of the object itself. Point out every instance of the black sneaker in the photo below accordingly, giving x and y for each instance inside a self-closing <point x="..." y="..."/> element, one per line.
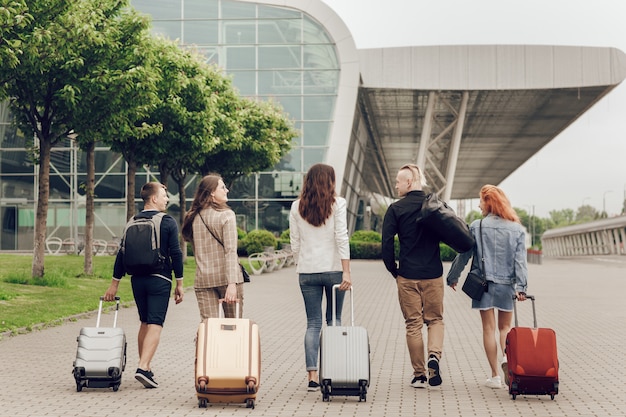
<point x="419" y="382"/>
<point x="434" y="378"/>
<point x="313" y="386"/>
<point x="146" y="378"/>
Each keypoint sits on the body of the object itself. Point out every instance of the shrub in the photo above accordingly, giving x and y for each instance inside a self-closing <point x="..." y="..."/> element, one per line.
<point x="447" y="253"/>
<point x="373" y="250"/>
<point x="257" y="240"/>
<point x="284" y="238"/>
<point x="365" y="250"/>
<point x="366" y="236"/>
<point x="241" y="236"/>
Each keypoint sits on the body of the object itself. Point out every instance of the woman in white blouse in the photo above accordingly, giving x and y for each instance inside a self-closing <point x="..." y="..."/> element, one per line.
<point x="319" y="239"/>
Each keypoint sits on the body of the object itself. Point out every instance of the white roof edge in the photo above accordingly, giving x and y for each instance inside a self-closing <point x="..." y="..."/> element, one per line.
<point x="491" y="67"/>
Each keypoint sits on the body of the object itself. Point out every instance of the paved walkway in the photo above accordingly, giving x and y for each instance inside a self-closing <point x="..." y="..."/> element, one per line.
<point x="582" y="299"/>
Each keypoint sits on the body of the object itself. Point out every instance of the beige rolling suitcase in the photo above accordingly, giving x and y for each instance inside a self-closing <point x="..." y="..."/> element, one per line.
<point x="228" y="361"/>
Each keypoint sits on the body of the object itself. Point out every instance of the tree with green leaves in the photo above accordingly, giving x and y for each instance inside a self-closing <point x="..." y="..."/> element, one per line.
<point x="562" y="218"/>
<point x="586" y="213"/>
<point x="268" y="136"/>
<point x="14" y="19"/>
<point x="58" y="48"/>
<point x="190" y="94"/>
<point x="118" y="90"/>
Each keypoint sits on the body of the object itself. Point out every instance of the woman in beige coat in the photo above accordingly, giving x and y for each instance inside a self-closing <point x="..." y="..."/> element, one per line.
<point x="210" y="225"/>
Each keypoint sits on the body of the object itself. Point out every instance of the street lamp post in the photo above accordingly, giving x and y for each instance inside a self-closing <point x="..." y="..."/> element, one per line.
<point x="531" y="224"/>
<point x="585" y="199"/>
<point x="604" y="201"/>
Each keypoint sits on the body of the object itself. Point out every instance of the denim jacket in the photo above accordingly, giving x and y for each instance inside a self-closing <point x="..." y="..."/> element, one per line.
<point x="504" y="252"/>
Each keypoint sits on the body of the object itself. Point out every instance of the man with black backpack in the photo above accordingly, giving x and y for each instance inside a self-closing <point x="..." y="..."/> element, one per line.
<point x="149" y="251"/>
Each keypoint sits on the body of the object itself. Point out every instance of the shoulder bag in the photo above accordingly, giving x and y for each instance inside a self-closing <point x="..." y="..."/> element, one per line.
<point x="475" y="284"/>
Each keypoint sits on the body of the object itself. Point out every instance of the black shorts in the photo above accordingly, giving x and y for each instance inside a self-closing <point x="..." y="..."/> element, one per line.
<point x="152" y="296"/>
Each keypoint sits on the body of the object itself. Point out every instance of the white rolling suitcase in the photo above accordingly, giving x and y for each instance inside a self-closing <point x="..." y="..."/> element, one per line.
<point x="100" y="355"/>
<point x="344" y="357"/>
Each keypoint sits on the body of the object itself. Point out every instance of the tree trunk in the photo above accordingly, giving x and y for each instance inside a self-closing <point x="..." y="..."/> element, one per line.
<point x="41" y="217"/>
<point x="180" y="177"/>
<point x="130" y="188"/>
<point x="89" y="207"/>
<point x="164" y="173"/>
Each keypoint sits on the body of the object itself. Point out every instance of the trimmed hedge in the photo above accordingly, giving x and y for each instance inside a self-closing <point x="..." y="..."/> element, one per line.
<point x="366" y="244"/>
<point x="366" y="236"/>
<point x="257" y="240"/>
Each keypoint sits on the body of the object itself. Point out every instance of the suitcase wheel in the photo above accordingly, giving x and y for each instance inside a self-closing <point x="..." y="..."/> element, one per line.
<point x="513" y="390"/>
<point x="202" y="385"/>
<point x="362" y="390"/>
<point x="326" y="389"/>
<point x="202" y="402"/>
<point x="78" y="374"/>
<point x="250" y="403"/>
<point x="114" y="372"/>
<point x="116" y="387"/>
<point x="251" y="388"/>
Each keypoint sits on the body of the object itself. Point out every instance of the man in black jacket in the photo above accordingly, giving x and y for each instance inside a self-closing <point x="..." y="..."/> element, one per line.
<point x="418" y="275"/>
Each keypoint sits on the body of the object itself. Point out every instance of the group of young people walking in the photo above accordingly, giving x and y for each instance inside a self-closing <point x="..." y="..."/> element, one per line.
<point x="419" y="273"/>
<point x="320" y="244"/>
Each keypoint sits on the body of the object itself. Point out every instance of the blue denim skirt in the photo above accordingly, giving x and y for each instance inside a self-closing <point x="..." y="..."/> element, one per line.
<point x="498" y="296"/>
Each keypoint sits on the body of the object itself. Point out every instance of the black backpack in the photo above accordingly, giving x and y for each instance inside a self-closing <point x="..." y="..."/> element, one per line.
<point x="141" y="245"/>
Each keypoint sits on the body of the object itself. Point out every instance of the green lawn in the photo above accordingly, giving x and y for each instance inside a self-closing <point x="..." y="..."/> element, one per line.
<point x="64" y="291"/>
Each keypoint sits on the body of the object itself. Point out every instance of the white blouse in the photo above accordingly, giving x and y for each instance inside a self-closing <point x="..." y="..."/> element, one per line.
<point x="319" y="249"/>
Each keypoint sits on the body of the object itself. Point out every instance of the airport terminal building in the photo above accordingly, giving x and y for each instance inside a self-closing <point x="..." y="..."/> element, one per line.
<point x="468" y="115"/>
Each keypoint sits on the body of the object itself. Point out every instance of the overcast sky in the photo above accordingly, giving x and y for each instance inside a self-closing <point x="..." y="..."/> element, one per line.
<point x="584" y="164"/>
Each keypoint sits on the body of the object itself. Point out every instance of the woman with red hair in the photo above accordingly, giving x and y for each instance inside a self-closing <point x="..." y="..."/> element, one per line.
<point x="501" y="243"/>
<point x="318" y="232"/>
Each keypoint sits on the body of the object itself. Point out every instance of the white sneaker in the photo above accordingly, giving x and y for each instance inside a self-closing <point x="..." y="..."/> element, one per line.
<point x="494" y="382"/>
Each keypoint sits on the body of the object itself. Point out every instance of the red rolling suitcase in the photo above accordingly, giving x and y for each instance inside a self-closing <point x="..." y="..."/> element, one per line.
<point x="533" y="364"/>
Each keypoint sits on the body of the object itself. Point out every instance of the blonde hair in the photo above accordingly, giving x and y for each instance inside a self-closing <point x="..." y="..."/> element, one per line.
<point x="416" y="174"/>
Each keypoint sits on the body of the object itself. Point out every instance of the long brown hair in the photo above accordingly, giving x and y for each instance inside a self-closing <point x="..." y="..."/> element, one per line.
<point x="318" y="194"/>
<point x="496" y="202"/>
<point x="201" y="200"/>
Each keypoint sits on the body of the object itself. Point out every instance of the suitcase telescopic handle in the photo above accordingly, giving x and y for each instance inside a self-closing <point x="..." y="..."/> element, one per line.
<point x="117" y="308"/>
<point x="221" y="309"/>
<point x="532" y="299"/>
<point x="334" y="304"/>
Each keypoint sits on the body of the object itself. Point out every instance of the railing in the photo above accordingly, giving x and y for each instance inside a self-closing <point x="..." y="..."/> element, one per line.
<point x="601" y="237"/>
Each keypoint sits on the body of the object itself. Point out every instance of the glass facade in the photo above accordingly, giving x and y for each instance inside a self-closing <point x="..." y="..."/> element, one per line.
<point x="272" y="53"/>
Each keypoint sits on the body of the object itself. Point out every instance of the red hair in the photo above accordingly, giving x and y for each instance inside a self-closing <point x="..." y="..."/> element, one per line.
<point x="494" y="201"/>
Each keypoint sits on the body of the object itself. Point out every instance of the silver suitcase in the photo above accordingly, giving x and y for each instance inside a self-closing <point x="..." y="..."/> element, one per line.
<point x="101" y="354"/>
<point x="344" y="357"/>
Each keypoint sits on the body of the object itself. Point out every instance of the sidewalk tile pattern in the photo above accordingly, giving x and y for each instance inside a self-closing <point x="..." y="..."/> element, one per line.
<point x="582" y="299"/>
